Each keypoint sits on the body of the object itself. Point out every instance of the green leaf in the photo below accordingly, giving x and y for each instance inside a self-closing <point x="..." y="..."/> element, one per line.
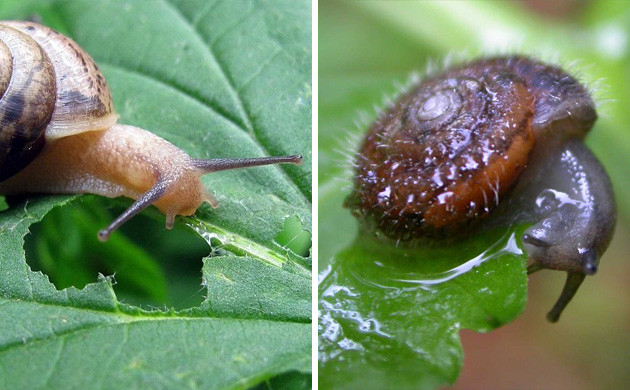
<point x="217" y="79"/>
<point x="390" y="310"/>
<point x="71" y="263"/>
<point x="244" y="287"/>
<point x="367" y="51"/>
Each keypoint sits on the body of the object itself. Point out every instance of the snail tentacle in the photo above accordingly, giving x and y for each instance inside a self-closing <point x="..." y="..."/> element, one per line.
<point x="573" y="283"/>
<point x="488" y="143"/>
<point x="59" y="133"/>
<point x="222" y="164"/>
<point x="146" y="200"/>
<point x="205" y="166"/>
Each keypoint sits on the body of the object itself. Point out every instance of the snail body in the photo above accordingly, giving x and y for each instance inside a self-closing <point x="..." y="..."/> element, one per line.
<point x="491" y="142"/>
<point x="59" y="133"/>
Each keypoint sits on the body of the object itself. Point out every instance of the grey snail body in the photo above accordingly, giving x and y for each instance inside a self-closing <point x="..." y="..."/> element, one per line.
<point x="59" y="133"/>
<point x="491" y="142"/>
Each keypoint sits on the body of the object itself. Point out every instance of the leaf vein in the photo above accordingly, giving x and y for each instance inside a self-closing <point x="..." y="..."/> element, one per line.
<point x="54" y="363"/>
<point x="125" y="323"/>
<point x="260" y="69"/>
<point x="222" y="68"/>
<point x="204" y="12"/>
<point x="251" y="129"/>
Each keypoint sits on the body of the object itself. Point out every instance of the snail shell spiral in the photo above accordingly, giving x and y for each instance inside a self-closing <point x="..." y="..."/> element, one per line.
<point x="59" y="134"/>
<point x="442" y="157"/>
<point x="50" y="88"/>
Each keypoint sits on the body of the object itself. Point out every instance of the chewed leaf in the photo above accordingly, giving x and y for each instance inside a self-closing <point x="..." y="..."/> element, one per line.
<point x="221" y="80"/>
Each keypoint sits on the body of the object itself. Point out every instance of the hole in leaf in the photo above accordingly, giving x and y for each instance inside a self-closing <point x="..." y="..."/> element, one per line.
<point x="153" y="267"/>
<point x="288" y="380"/>
<point x="294" y="237"/>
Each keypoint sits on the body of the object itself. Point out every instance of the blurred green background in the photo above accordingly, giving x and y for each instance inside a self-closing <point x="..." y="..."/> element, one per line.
<point x="368" y="49"/>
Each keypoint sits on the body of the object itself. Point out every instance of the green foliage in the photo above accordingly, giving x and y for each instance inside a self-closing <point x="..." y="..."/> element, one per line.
<point x="391" y="310"/>
<point x="218" y="79"/>
<point x="371" y="332"/>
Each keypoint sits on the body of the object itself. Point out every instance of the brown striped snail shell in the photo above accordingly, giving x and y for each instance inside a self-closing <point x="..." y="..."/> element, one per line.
<point x="495" y="140"/>
<point x="59" y="133"/>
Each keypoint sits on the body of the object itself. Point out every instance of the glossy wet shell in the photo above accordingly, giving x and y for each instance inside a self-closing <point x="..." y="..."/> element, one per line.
<point x="50" y="89"/>
<point x="442" y="157"/>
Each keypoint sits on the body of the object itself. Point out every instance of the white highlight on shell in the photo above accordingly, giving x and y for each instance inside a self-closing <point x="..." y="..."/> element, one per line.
<point x="438" y="104"/>
<point x="384" y="195"/>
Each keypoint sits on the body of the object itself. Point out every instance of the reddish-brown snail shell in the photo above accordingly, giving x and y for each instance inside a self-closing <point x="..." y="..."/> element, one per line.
<point x="59" y="133"/>
<point x="502" y="132"/>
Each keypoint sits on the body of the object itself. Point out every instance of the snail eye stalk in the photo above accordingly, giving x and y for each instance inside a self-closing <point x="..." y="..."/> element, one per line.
<point x="473" y="147"/>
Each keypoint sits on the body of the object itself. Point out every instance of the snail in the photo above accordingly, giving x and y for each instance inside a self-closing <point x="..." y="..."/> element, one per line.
<point x="59" y="133"/>
<point x="486" y="143"/>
